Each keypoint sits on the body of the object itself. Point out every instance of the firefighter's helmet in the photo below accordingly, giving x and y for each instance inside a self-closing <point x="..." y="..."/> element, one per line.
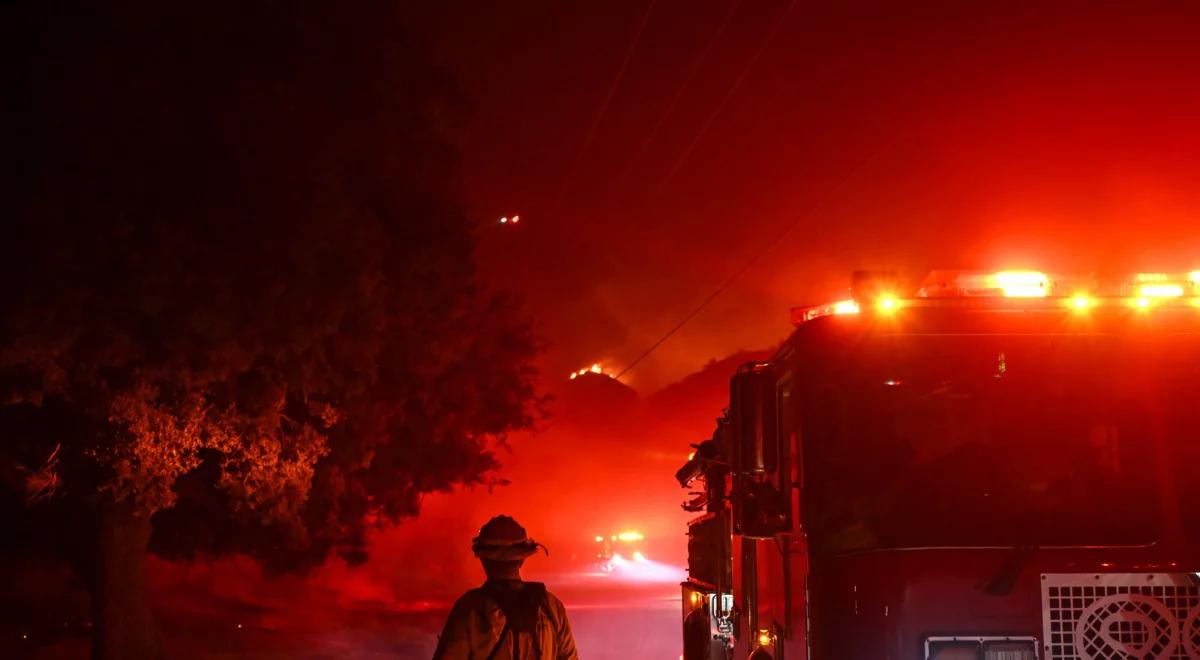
<point x="504" y="539"/>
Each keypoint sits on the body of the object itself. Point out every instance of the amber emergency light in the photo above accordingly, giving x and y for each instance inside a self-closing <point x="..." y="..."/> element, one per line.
<point x="876" y="292"/>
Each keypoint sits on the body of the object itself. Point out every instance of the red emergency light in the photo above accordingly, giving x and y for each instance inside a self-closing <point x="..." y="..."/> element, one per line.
<point x="1011" y="289"/>
<point x="1005" y="284"/>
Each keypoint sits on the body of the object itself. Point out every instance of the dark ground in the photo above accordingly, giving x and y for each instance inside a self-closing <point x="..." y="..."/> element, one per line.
<point x="613" y="619"/>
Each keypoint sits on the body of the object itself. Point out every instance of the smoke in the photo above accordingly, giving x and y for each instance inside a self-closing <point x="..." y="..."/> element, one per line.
<point x="602" y="464"/>
<point x="906" y="139"/>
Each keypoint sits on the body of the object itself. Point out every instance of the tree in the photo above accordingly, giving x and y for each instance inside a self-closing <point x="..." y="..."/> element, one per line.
<point x="239" y="309"/>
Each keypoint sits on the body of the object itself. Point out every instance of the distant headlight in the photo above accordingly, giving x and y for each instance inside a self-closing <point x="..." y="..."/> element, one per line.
<point x="981" y="648"/>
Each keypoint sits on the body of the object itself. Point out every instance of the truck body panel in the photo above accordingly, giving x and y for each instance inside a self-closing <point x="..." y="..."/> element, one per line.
<point x="926" y="484"/>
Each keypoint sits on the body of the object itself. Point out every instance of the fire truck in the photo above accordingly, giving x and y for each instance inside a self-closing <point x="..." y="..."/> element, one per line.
<point x="984" y="466"/>
<point x="629" y="545"/>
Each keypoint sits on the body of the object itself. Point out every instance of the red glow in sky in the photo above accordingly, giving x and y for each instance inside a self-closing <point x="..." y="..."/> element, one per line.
<point x="806" y="140"/>
<point x="809" y="141"/>
<point x="909" y="137"/>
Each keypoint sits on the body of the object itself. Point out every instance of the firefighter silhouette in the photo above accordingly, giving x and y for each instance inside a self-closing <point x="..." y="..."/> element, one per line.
<point x="506" y="618"/>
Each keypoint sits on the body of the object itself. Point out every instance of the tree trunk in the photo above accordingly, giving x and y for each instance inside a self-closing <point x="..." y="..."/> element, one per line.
<point x="122" y="626"/>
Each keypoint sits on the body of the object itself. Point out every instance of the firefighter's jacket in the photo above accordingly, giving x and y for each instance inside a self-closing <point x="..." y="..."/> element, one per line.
<point x="477" y="628"/>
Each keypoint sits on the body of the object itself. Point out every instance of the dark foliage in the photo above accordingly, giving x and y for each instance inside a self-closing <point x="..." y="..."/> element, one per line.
<point x="238" y="287"/>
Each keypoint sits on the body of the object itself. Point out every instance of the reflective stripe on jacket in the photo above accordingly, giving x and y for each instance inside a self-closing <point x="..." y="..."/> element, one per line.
<point x="474" y="626"/>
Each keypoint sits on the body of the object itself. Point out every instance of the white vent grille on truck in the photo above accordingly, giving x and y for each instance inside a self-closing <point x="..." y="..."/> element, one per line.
<point x="1149" y="616"/>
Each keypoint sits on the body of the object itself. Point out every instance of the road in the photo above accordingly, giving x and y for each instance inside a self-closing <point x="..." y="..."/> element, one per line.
<point x="629" y="613"/>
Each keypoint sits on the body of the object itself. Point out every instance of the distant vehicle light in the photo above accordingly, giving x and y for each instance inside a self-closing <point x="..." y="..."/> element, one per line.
<point x="1082" y="302"/>
<point x="1165" y="290"/>
<point x="599" y="539"/>
<point x="1142" y="303"/>
<point x="630" y="536"/>
<point x="515" y="219"/>
<point x="504" y="220"/>
<point x="887" y="303"/>
<point x="1022" y="283"/>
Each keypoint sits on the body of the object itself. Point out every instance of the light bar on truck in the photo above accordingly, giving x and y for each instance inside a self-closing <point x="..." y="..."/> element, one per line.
<point x="1005" y="283"/>
<point x="1022" y="283"/>
<point x="1154" y="289"/>
<point x="1011" y="290"/>
<point x="887" y="303"/>
<point x="1160" y="290"/>
<point x="1160" y="285"/>
<point x="846" y="307"/>
<point x="805" y="314"/>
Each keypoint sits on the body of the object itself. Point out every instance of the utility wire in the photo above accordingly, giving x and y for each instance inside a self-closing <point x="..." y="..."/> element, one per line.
<point x="762" y="47"/>
<point x="814" y="210"/>
<point x="692" y="68"/>
<point x="677" y="164"/>
<point x="608" y="97"/>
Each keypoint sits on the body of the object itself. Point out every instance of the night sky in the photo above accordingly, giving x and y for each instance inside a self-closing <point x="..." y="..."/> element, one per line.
<point x="653" y="149"/>
<point x="648" y="170"/>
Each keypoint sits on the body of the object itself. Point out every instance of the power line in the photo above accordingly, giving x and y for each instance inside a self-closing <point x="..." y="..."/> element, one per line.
<point x="608" y="97"/>
<point x="690" y="73"/>
<point x="677" y="164"/>
<point x="816" y="208"/>
<point x="762" y="47"/>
